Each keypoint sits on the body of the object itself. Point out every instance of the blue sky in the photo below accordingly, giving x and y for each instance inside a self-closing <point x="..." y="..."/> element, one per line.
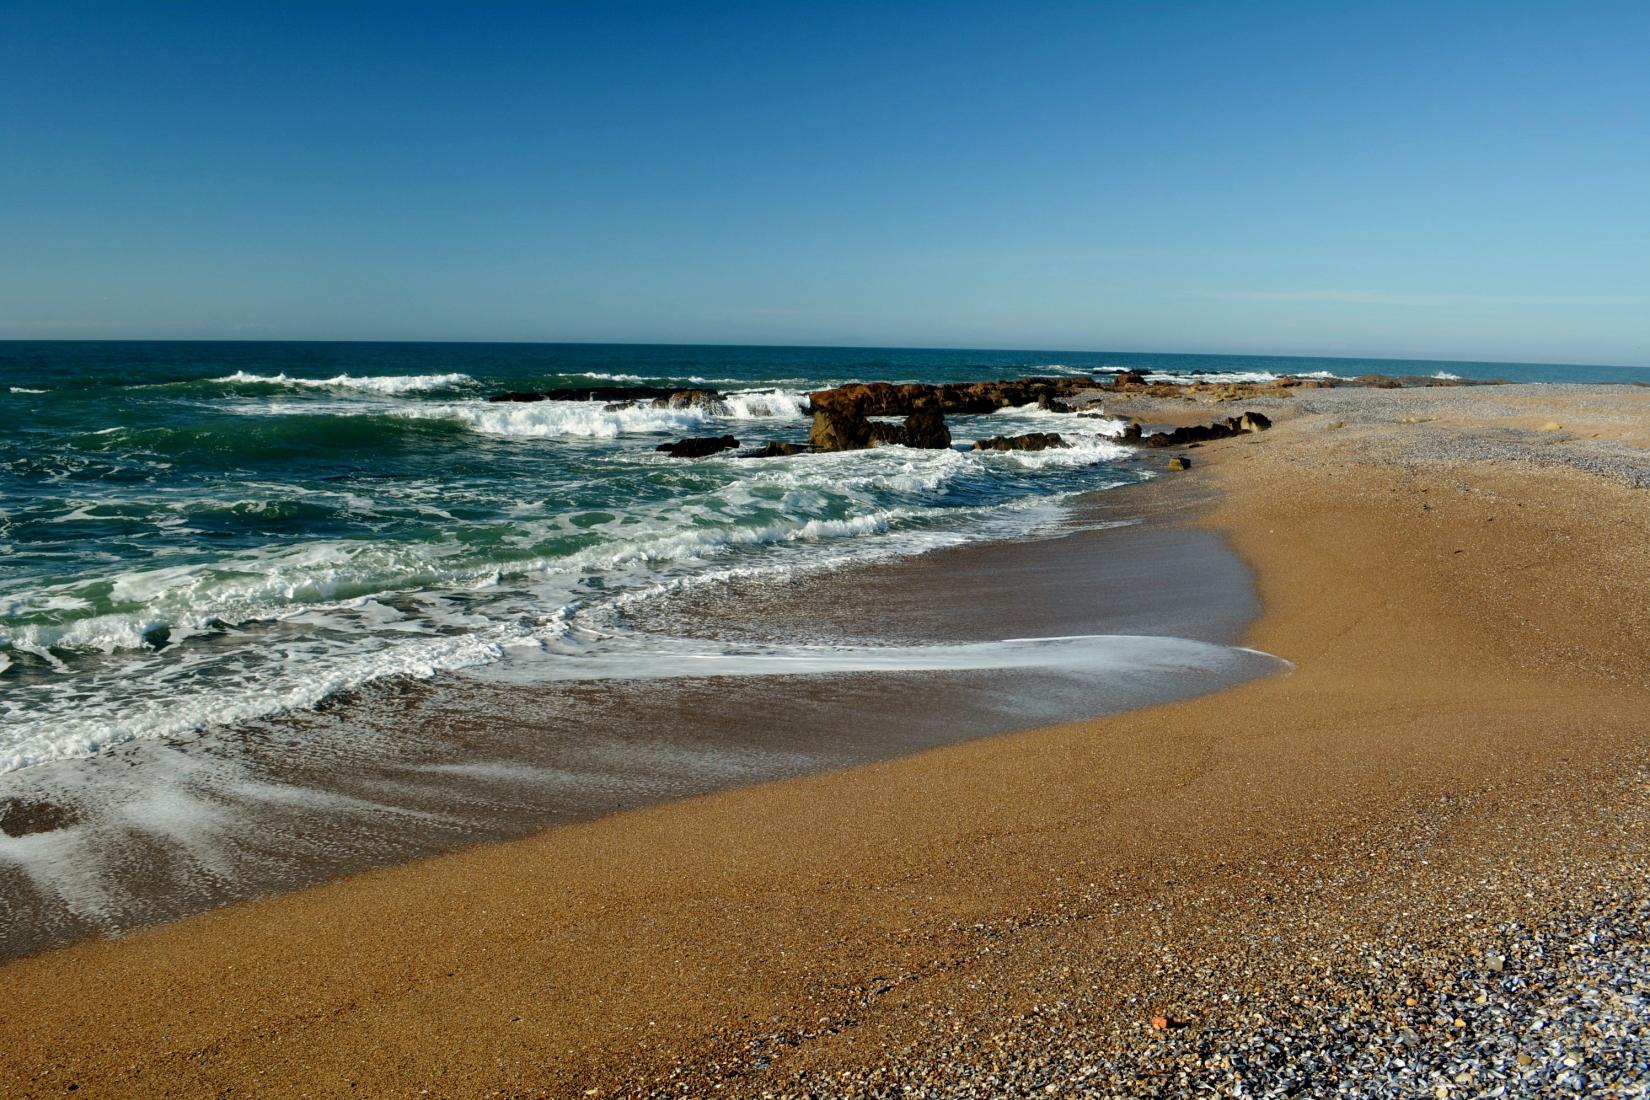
<point x="1430" y="180"/>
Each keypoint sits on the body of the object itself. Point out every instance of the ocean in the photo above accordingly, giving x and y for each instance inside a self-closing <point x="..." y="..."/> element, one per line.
<point x="197" y="534"/>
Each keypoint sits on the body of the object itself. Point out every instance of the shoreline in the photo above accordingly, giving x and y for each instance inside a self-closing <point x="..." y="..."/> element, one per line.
<point x="1451" y="751"/>
<point x="414" y="770"/>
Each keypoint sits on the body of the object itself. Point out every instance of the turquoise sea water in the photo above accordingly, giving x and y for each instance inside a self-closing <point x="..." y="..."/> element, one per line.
<point x="199" y="533"/>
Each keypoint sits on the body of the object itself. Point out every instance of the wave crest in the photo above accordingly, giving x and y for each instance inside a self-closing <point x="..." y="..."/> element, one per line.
<point x="383" y="384"/>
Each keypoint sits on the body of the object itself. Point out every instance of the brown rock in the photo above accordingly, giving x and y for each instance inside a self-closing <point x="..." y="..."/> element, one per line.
<point x="926" y="428"/>
<point x="1180" y="462"/>
<point x="838" y="431"/>
<point x="889" y="399"/>
<point x="849" y="431"/>
<point x="1031" y="441"/>
<point x="1202" y="433"/>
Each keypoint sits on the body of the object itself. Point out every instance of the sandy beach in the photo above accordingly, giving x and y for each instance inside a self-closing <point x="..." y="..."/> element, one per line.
<point x="1320" y="863"/>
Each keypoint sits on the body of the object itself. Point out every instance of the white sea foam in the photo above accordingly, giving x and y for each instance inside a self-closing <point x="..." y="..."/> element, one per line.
<point x="699" y="380"/>
<point x="349" y="639"/>
<point x="764" y="404"/>
<point x="647" y="657"/>
<point x="387" y="384"/>
<point x="161" y="650"/>
<point x="607" y="420"/>
<point x="25" y="389"/>
<point x="1446" y="376"/>
<point x="1235" y="377"/>
<point x="66" y="730"/>
<point x="560" y="419"/>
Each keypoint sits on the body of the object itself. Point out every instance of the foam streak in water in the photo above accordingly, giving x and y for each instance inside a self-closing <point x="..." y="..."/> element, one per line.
<point x="645" y="658"/>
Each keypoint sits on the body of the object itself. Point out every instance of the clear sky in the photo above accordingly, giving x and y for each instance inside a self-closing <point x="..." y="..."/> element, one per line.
<point x="1456" y="180"/>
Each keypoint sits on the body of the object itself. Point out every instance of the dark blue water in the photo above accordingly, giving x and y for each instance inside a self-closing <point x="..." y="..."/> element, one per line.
<point x="197" y="533"/>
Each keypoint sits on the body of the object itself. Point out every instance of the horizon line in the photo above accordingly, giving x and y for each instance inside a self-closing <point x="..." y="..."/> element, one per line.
<point x="1384" y="358"/>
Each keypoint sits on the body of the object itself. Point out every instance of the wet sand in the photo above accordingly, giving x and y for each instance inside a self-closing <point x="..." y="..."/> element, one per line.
<point x="409" y="770"/>
<point x="1462" y="742"/>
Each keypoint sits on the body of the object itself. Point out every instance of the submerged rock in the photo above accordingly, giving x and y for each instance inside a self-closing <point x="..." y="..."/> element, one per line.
<point x="698" y="446"/>
<point x="708" y="400"/>
<point x="1031" y="441"/>
<point x="778" y="448"/>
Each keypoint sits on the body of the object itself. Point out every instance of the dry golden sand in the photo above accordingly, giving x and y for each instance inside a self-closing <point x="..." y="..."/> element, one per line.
<point x="1468" y="706"/>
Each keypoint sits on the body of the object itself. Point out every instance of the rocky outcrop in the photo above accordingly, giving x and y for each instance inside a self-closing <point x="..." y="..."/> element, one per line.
<point x="1199" y="433"/>
<point x="1180" y="462"/>
<point x="903" y="399"/>
<point x="850" y="431"/>
<point x="926" y="428"/>
<point x="842" y="416"/>
<point x="698" y="446"/>
<point x="1031" y="441"/>
<point x="1128" y="378"/>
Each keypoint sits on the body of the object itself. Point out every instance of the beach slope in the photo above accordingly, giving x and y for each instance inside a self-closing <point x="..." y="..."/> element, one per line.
<point x="1460" y="749"/>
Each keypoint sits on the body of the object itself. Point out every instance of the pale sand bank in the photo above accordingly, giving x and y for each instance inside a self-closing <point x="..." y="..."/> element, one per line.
<point x="1462" y="740"/>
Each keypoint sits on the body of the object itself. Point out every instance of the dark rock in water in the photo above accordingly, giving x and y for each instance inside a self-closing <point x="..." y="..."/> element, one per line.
<point x="842" y="416"/>
<point x="698" y="446"/>
<point x="1129" y="378"/>
<point x="889" y="399"/>
<point x="23" y="817"/>
<point x="777" y="449"/>
<point x="1131" y="433"/>
<point x="614" y="394"/>
<point x="1180" y="462"/>
<point x="833" y="431"/>
<point x="848" y="431"/>
<point x="1054" y="405"/>
<point x="618" y="398"/>
<point x="1202" y="433"/>
<point x="926" y="428"/>
<point x="1031" y="441"/>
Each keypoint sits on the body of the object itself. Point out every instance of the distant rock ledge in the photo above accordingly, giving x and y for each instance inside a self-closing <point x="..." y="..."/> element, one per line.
<point x="846" y="418"/>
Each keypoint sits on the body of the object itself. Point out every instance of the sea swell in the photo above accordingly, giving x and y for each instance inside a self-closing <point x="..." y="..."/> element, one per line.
<point x="205" y="551"/>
